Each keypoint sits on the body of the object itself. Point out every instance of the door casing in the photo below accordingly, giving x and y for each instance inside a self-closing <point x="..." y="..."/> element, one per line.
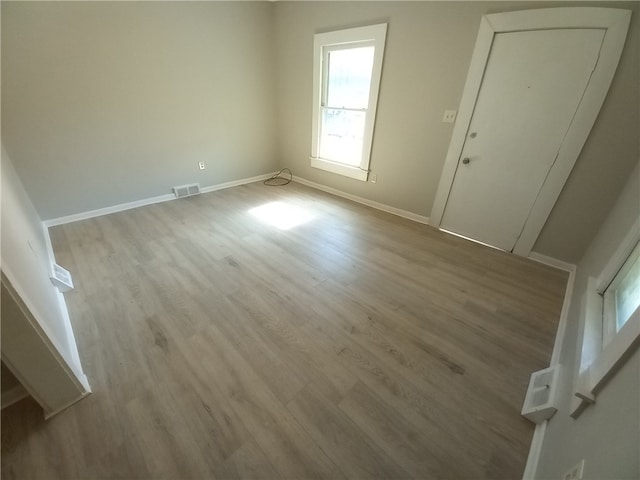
<point x="615" y="22"/>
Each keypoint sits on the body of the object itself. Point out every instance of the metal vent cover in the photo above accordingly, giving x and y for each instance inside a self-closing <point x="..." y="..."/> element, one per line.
<point x="186" y="190"/>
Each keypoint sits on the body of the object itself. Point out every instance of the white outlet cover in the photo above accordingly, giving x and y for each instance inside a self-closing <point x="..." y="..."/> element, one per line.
<point x="449" y="116"/>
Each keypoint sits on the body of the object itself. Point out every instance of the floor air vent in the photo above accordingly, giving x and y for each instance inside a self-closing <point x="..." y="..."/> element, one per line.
<point x="186" y="190"/>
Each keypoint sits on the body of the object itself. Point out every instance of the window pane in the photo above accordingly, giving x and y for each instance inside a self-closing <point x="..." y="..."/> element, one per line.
<point x="627" y="293"/>
<point x="349" y="77"/>
<point x="341" y="136"/>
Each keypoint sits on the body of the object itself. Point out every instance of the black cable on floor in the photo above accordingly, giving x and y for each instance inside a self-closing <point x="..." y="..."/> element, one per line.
<point x="277" y="180"/>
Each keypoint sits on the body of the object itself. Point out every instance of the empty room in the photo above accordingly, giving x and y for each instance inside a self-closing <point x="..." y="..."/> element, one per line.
<point x="236" y="243"/>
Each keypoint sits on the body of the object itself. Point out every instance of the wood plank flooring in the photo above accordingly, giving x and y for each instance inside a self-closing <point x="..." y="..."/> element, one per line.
<point x="356" y="345"/>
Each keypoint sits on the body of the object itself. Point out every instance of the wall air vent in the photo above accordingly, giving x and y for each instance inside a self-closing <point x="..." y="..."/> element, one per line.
<point x="186" y="190"/>
<point x="540" y="401"/>
<point x="61" y="278"/>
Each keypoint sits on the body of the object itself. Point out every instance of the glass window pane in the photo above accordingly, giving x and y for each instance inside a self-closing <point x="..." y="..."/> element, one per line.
<point x="341" y="136"/>
<point x="349" y="77"/>
<point x="627" y="293"/>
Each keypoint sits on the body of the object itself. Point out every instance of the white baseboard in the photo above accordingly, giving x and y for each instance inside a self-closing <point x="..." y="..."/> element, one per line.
<point x="13" y="395"/>
<point x="146" y="201"/>
<point x="76" y="365"/>
<point x="76" y="217"/>
<point x="562" y="324"/>
<point x="236" y="183"/>
<point x="49" y="414"/>
<point x="364" y="201"/>
<point x="531" y="468"/>
<point x="535" y="450"/>
<point x="552" y="262"/>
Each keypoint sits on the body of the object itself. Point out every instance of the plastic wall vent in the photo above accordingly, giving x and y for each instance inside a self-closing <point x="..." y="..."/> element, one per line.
<point x="540" y="401"/>
<point x="61" y="278"/>
<point x="186" y="190"/>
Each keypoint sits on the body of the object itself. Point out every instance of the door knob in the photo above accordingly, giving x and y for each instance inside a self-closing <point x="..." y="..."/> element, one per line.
<point x="466" y="160"/>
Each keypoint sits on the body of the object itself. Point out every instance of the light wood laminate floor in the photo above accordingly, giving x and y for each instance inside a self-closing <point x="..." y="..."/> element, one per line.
<point x="355" y="345"/>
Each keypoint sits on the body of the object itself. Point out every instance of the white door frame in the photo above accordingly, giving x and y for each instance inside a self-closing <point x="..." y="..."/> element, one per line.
<point x="615" y="22"/>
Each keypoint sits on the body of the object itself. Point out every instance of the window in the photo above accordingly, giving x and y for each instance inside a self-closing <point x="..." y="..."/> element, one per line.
<point x="611" y="320"/>
<point x="347" y="69"/>
<point x="621" y="298"/>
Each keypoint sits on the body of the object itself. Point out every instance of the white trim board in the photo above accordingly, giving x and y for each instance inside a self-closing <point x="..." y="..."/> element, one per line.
<point x="33" y="328"/>
<point x="535" y="450"/>
<point x="146" y="201"/>
<point x="53" y="413"/>
<point x="14" y="395"/>
<point x="566" y="303"/>
<point x="364" y="201"/>
<point x="237" y="183"/>
<point x="552" y="262"/>
<point x="615" y="22"/>
<point x="71" y="339"/>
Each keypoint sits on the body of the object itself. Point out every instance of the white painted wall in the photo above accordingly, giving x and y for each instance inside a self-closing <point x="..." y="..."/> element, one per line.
<point x="607" y="434"/>
<point x="25" y="261"/>
<point x="427" y="55"/>
<point x="105" y="103"/>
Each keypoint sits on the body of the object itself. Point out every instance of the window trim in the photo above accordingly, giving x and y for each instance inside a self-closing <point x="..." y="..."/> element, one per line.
<point x="601" y="353"/>
<point x="369" y="35"/>
<point x="611" y="282"/>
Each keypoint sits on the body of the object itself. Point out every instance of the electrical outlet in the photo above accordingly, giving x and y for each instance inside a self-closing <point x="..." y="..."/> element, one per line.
<point x="374" y="178"/>
<point x="576" y="472"/>
<point x="201" y="165"/>
<point x="449" y="116"/>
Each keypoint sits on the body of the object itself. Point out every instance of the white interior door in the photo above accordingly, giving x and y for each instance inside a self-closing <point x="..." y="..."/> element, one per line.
<point x="532" y="86"/>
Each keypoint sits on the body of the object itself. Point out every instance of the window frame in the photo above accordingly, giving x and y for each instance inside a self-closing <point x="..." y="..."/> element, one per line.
<point x="604" y="348"/>
<point x="607" y="291"/>
<point x="371" y="35"/>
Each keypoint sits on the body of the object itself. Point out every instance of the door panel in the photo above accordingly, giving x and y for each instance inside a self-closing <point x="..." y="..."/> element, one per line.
<point x="532" y="87"/>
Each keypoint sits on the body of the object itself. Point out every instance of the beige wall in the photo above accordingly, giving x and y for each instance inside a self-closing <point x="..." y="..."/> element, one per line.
<point x="606" y="161"/>
<point x="428" y="50"/>
<point x="109" y="102"/>
<point x="427" y="53"/>
<point x="607" y="434"/>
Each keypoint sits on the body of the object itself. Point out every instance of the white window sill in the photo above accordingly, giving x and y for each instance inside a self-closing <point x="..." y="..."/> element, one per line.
<point x="594" y="377"/>
<point x="601" y="351"/>
<point x="339" y="168"/>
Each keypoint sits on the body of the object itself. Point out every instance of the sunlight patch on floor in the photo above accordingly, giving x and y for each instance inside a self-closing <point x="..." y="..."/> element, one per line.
<point x="282" y="215"/>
